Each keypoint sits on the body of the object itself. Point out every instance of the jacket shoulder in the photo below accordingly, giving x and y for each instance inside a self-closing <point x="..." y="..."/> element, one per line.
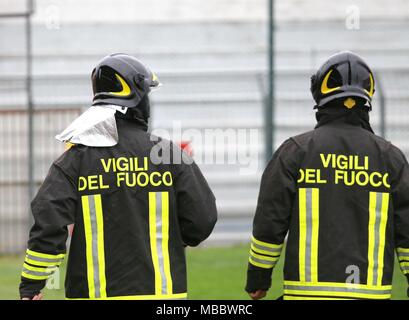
<point x="70" y="160"/>
<point x="395" y="155"/>
<point x="381" y="142"/>
<point x="303" y="138"/>
<point x="387" y="148"/>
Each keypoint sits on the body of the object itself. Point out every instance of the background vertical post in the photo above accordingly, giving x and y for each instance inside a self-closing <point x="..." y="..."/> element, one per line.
<point x="30" y="105"/>
<point x="269" y="102"/>
<point x="382" y="107"/>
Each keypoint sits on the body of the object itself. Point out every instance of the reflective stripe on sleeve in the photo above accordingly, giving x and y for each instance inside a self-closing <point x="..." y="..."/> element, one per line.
<point x="39" y="260"/>
<point x="44" y="260"/>
<point x="262" y="263"/>
<point x="37" y="273"/>
<point x="263" y="254"/>
<point x="403" y="257"/>
<point x="271" y="247"/>
<point x="270" y="252"/>
<point x="50" y="257"/>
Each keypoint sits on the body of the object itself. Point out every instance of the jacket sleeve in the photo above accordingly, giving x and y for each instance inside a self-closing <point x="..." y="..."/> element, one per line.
<point x="196" y="204"/>
<point x="53" y="208"/>
<point x="399" y="181"/>
<point x="272" y="218"/>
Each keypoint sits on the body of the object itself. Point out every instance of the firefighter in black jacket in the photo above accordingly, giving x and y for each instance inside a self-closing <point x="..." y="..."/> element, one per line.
<point x="136" y="200"/>
<point x="340" y="192"/>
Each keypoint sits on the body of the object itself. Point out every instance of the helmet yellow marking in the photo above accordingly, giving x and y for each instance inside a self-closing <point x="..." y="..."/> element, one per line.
<point x="155" y="81"/>
<point x="125" y="88"/>
<point x="69" y="145"/>
<point x="349" y="103"/>
<point x="371" y="90"/>
<point x="324" y="85"/>
<point x="154" y="77"/>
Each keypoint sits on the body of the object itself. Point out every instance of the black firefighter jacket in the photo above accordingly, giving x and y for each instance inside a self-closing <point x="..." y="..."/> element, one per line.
<point x="342" y="195"/>
<point x="133" y="217"/>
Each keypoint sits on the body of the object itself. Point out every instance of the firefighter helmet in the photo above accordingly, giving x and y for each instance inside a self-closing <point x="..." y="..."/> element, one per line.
<point x="122" y="80"/>
<point x="344" y="76"/>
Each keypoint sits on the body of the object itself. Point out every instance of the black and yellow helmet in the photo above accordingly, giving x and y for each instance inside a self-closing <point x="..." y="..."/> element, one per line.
<point x="122" y="80"/>
<point x="343" y="76"/>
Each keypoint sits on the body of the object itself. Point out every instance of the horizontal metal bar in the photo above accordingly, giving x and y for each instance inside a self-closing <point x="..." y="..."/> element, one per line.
<point x="18" y="183"/>
<point x="41" y="111"/>
<point x="15" y="15"/>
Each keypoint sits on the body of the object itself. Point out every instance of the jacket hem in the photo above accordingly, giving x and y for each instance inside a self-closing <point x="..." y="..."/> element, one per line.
<point x="174" y="296"/>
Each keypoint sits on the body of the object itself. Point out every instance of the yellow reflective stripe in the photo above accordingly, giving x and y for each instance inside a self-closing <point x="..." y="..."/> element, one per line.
<point x="264" y="260"/>
<point x="266" y="244"/>
<point x="382" y="235"/>
<point x="33" y="277"/>
<point x="340" y="294"/>
<point x="140" y="297"/>
<point x="255" y="255"/>
<point x="403" y="257"/>
<point x="378" y="218"/>
<point x="45" y="255"/>
<point x="338" y="285"/>
<point x="269" y="253"/>
<point x="94" y="245"/>
<point x="88" y="245"/>
<point x="37" y="273"/>
<point x="42" y="263"/>
<point x="312" y="298"/>
<point x="125" y="91"/>
<point x="337" y="290"/>
<point x="40" y="259"/>
<point x="152" y="236"/>
<point x="324" y="85"/>
<point x="165" y="241"/>
<point x="101" y="246"/>
<point x="261" y="265"/>
<point x="303" y="231"/>
<point x="404" y="266"/>
<point x="315" y="231"/>
<point x="308" y="203"/>
<point x="47" y="270"/>
<point x="371" y="237"/>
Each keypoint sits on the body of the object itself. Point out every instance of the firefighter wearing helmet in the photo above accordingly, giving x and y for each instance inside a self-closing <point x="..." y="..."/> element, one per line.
<point x="339" y="193"/>
<point x="134" y="209"/>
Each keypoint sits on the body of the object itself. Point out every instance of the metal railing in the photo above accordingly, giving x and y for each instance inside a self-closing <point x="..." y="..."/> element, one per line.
<point x="14" y="179"/>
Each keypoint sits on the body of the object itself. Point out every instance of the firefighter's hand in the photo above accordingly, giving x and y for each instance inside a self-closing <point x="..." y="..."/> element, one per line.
<point x="259" y="294"/>
<point x="36" y="297"/>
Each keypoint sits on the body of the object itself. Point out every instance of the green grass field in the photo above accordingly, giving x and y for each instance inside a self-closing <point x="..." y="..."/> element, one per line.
<point x="213" y="273"/>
